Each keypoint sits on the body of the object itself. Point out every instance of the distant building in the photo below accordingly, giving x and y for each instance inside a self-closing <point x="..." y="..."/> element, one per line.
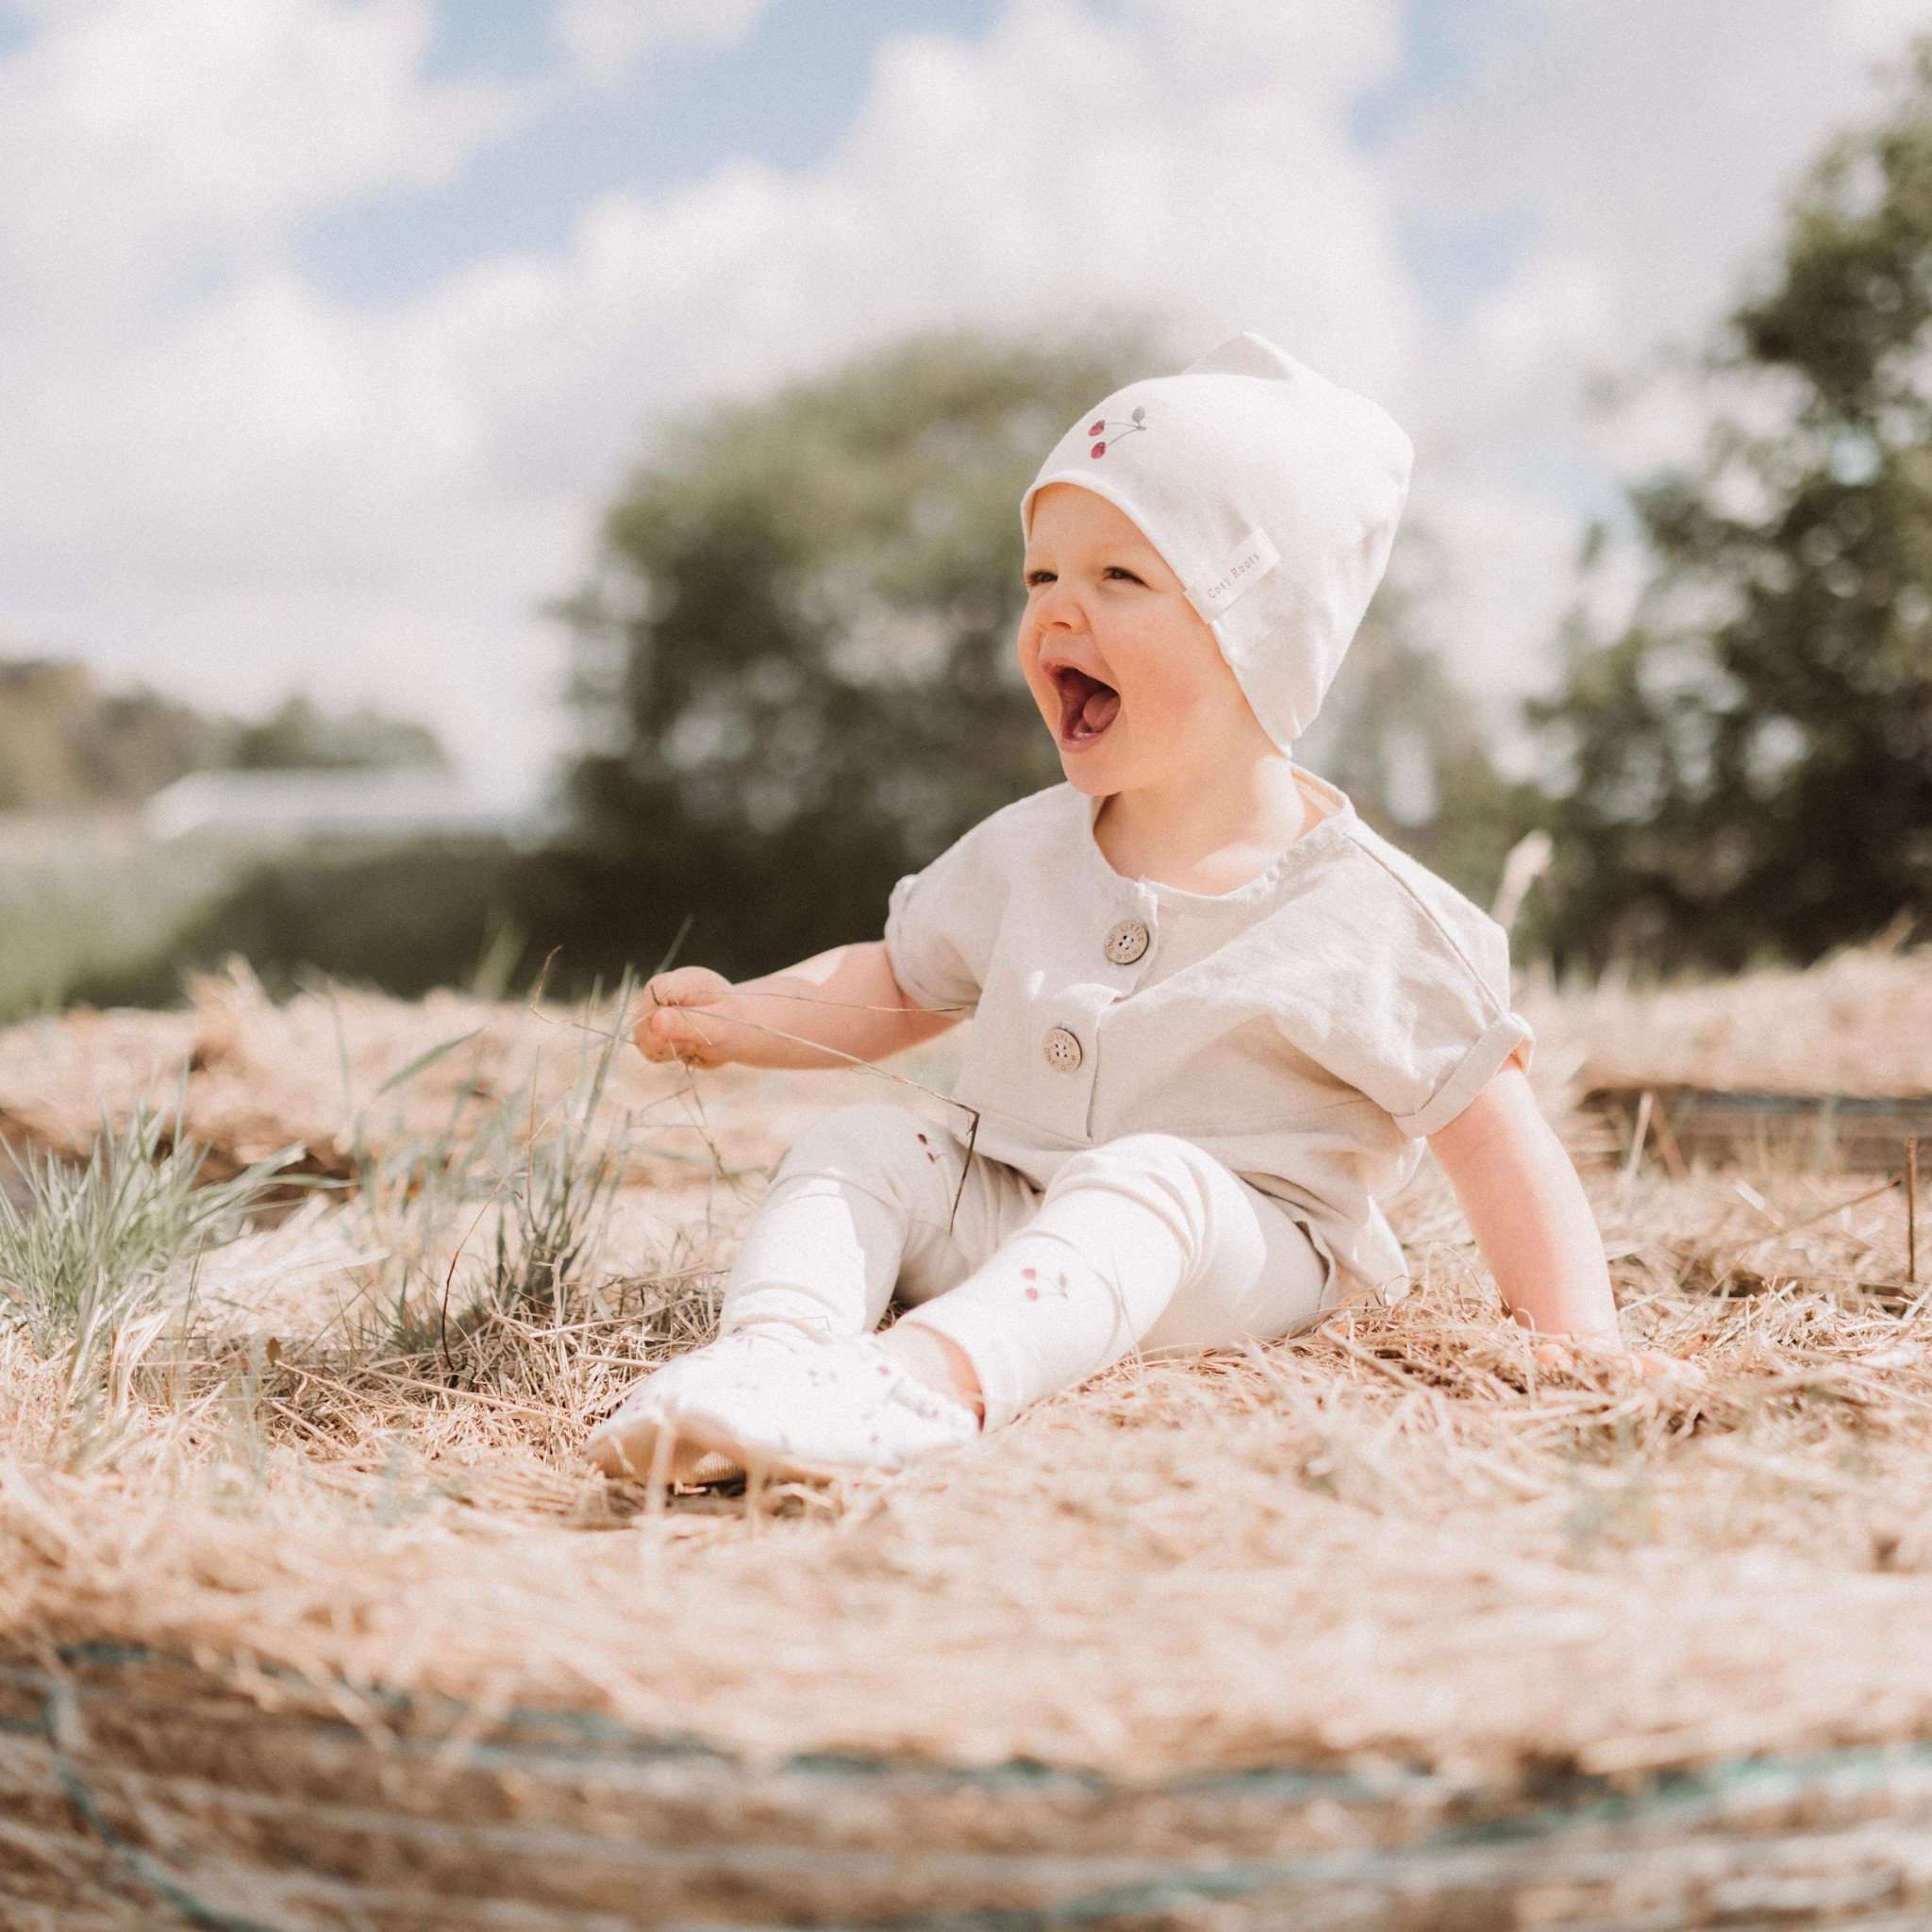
<point x="296" y="804"/>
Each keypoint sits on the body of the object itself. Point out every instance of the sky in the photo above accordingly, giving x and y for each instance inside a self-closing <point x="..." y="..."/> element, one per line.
<point x="329" y="328"/>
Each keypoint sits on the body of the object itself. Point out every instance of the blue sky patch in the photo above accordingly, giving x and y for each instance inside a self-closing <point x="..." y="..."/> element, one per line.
<point x="784" y="97"/>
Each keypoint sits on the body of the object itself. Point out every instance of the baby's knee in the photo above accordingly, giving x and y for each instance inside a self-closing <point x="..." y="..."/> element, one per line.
<point x="1141" y="1153"/>
<point x="1153" y="1165"/>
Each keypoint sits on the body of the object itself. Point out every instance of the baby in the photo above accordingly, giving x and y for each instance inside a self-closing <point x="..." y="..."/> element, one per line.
<point x="1217" y="1016"/>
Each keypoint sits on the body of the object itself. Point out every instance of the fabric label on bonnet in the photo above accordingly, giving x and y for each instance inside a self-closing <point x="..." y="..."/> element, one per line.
<point x="1254" y="557"/>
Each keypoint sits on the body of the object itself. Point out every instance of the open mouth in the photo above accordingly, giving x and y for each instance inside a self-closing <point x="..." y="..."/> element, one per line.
<point x="1087" y="707"/>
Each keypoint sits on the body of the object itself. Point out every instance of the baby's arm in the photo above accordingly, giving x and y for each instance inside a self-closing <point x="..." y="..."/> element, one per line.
<point x="1532" y="1220"/>
<point x="852" y="1003"/>
<point x="846" y="999"/>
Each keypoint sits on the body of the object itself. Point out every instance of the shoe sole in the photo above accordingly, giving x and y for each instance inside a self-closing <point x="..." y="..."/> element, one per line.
<point x="631" y="1452"/>
<point x="719" y="1437"/>
<point x="720" y="1440"/>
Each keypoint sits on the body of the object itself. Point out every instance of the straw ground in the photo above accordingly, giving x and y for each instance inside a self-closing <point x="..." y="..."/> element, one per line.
<point x="336" y="1432"/>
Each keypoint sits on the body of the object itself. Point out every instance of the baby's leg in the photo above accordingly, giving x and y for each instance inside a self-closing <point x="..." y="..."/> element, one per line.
<point x="1146" y="1242"/>
<point x="864" y="1192"/>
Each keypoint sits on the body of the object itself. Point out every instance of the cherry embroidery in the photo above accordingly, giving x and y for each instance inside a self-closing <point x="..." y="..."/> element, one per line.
<point x="1030" y="1275"/>
<point x="1100" y="429"/>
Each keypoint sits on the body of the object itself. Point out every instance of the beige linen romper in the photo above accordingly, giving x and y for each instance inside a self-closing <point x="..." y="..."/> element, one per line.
<point x="1304" y="1033"/>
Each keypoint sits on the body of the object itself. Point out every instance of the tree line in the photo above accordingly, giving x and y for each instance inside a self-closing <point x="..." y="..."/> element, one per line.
<point x="67" y="742"/>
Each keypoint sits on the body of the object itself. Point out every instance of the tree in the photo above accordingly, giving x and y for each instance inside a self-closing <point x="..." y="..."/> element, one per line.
<point x="67" y="743"/>
<point x="804" y="604"/>
<point x="297" y="735"/>
<point x="793" y="666"/>
<point x="1749" y="762"/>
<point x="1402" y="738"/>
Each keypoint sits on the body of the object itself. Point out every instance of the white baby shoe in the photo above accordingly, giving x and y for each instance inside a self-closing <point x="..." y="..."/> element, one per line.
<point x="847" y="1406"/>
<point x="626" y="1441"/>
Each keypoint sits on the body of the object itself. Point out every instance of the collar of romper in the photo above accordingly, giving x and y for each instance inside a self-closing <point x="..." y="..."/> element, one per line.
<point x="1338" y="816"/>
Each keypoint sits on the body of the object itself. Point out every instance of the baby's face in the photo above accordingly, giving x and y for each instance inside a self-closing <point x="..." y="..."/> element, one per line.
<point x="1104" y="610"/>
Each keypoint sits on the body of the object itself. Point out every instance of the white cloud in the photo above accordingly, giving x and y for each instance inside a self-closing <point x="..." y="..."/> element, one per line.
<point x="256" y="485"/>
<point x="276" y="483"/>
<point x="603" y="38"/>
<point x="1654" y="146"/>
<point x="146" y="145"/>
<point x="1875" y="29"/>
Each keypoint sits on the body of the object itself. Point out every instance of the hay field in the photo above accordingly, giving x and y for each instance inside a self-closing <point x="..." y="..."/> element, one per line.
<point x="345" y="1444"/>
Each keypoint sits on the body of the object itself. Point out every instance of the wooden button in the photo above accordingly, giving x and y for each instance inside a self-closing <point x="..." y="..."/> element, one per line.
<point x="1127" y="940"/>
<point x="1062" y="1050"/>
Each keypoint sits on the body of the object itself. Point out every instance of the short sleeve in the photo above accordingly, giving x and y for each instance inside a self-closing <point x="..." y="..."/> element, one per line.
<point x="940" y="924"/>
<point x="1414" y="1007"/>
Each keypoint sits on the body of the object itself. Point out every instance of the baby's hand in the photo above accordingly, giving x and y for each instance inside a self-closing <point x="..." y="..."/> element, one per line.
<point x="671" y="1029"/>
<point x="1571" y="1350"/>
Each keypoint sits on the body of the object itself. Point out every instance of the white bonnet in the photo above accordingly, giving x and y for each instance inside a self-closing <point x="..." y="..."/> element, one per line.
<point x="1271" y="494"/>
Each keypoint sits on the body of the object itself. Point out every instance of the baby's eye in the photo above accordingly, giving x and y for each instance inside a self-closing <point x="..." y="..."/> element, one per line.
<point x="1037" y="577"/>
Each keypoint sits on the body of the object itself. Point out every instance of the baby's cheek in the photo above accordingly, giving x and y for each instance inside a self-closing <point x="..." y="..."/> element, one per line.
<point x="1195" y="702"/>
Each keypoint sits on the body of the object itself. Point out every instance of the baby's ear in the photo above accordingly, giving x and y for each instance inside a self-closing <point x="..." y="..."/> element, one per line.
<point x="1246" y="354"/>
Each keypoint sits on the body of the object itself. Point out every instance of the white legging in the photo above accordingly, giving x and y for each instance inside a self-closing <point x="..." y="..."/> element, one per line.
<point x="1144" y="1241"/>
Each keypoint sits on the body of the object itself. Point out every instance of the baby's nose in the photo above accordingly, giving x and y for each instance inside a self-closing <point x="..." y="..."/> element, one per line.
<point x="1058" y="609"/>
